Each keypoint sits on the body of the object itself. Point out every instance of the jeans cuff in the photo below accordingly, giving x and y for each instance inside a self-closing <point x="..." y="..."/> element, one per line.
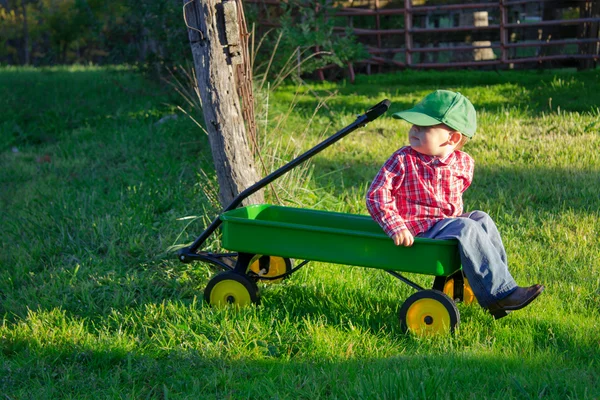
<point x="501" y="293"/>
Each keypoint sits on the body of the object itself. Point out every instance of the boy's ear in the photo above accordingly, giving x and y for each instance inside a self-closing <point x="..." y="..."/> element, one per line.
<point x="455" y="138"/>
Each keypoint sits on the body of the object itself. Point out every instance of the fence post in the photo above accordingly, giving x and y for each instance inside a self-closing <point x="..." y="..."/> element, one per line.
<point x="588" y="30"/>
<point x="407" y="33"/>
<point x="378" y="27"/>
<point x="503" y="32"/>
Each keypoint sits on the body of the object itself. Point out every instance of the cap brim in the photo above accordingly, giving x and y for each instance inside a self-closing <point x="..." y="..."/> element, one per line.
<point x="416" y="118"/>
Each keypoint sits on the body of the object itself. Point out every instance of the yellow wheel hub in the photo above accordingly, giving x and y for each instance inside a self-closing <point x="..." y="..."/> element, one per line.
<point x="428" y="317"/>
<point x="229" y="291"/>
<point x="468" y="295"/>
<point x="277" y="267"/>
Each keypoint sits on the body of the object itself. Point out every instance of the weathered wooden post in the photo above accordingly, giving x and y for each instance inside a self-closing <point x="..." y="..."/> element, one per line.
<point x="503" y="33"/>
<point x="214" y="57"/>
<point x="589" y="31"/>
<point x="408" y="23"/>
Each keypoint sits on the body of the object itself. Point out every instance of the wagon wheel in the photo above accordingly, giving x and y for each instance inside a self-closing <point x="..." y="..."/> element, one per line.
<point x="270" y="266"/>
<point x="229" y="287"/>
<point x="468" y="296"/>
<point x="429" y="312"/>
<point x="448" y="284"/>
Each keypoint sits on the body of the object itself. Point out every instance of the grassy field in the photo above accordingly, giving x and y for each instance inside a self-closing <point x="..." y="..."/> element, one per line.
<point x="98" y="180"/>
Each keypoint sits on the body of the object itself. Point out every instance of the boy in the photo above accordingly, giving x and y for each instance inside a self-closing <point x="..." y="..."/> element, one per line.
<point x="418" y="192"/>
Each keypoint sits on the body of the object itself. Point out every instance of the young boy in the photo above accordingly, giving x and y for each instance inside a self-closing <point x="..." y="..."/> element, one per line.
<point x="418" y="192"/>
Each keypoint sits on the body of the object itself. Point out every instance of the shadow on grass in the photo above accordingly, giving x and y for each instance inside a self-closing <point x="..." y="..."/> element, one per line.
<point x="537" y="92"/>
<point x="61" y="101"/>
<point x="68" y="368"/>
<point x="367" y="312"/>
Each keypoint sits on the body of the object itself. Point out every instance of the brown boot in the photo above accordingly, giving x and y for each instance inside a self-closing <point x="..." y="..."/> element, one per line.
<point x="518" y="299"/>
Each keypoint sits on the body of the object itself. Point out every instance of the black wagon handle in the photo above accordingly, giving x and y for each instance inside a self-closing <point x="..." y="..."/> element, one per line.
<point x="187" y="254"/>
<point x="377" y="110"/>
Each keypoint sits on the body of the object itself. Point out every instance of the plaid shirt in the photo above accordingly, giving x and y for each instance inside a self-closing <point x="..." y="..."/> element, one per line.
<point x="414" y="191"/>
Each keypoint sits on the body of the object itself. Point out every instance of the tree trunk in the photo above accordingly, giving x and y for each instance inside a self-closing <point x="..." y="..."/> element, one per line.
<point x="26" y="57"/>
<point x="220" y="103"/>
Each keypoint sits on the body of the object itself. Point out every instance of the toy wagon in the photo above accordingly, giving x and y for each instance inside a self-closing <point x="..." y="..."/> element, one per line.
<point x="266" y="238"/>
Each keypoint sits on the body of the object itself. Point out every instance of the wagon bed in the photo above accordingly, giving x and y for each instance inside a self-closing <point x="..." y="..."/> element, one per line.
<point x="332" y="237"/>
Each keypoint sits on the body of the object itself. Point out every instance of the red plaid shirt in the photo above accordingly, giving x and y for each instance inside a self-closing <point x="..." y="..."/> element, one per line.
<point x="414" y="191"/>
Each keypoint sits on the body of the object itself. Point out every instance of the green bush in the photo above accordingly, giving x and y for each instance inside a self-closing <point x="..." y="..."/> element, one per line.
<point x="308" y="39"/>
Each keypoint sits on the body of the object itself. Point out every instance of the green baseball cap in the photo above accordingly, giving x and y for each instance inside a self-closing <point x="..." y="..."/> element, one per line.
<point x="445" y="107"/>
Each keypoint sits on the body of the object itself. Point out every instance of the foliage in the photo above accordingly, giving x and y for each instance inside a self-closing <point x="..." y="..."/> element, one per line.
<point x="123" y="31"/>
<point x="152" y="34"/>
<point x="304" y="39"/>
<point x="67" y="22"/>
<point x="10" y="22"/>
<point x="305" y="26"/>
<point x="94" y="188"/>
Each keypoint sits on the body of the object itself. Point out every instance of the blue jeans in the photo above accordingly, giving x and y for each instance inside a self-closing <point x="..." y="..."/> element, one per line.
<point x="482" y="254"/>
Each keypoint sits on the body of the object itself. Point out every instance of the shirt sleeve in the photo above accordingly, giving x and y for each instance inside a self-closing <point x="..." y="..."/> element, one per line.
<point x="380" y="201"/>
<point x="468" y="169"/>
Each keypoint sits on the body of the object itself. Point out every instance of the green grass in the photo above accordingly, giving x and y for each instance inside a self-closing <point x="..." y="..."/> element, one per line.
<point x="93" y="191"/>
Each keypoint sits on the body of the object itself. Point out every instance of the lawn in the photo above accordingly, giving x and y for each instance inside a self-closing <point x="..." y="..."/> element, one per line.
<point x="100" y="175"/>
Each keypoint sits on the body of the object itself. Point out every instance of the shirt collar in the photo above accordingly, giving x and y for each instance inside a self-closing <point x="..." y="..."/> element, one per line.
<point x="434" y="160"/>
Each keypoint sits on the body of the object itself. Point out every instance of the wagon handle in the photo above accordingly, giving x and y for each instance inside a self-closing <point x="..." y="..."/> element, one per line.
<point x="377" y="110"/>
<point x="188" y="254"/>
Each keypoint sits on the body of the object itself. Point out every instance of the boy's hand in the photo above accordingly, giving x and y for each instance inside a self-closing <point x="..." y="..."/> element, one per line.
<point x="404" y="238"/>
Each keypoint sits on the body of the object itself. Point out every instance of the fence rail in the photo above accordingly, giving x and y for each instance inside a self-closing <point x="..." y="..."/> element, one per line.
<point x="499" y="36"/>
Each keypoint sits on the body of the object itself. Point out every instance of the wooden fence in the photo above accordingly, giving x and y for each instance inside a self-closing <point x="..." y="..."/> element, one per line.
<point x="499" y="34"/>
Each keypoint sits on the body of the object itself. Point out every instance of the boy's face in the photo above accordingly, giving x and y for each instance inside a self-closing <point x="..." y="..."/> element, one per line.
<point x="432" y="140"/>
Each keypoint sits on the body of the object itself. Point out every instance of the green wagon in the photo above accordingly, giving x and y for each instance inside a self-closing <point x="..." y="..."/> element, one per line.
<point x="266" y="238"/>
